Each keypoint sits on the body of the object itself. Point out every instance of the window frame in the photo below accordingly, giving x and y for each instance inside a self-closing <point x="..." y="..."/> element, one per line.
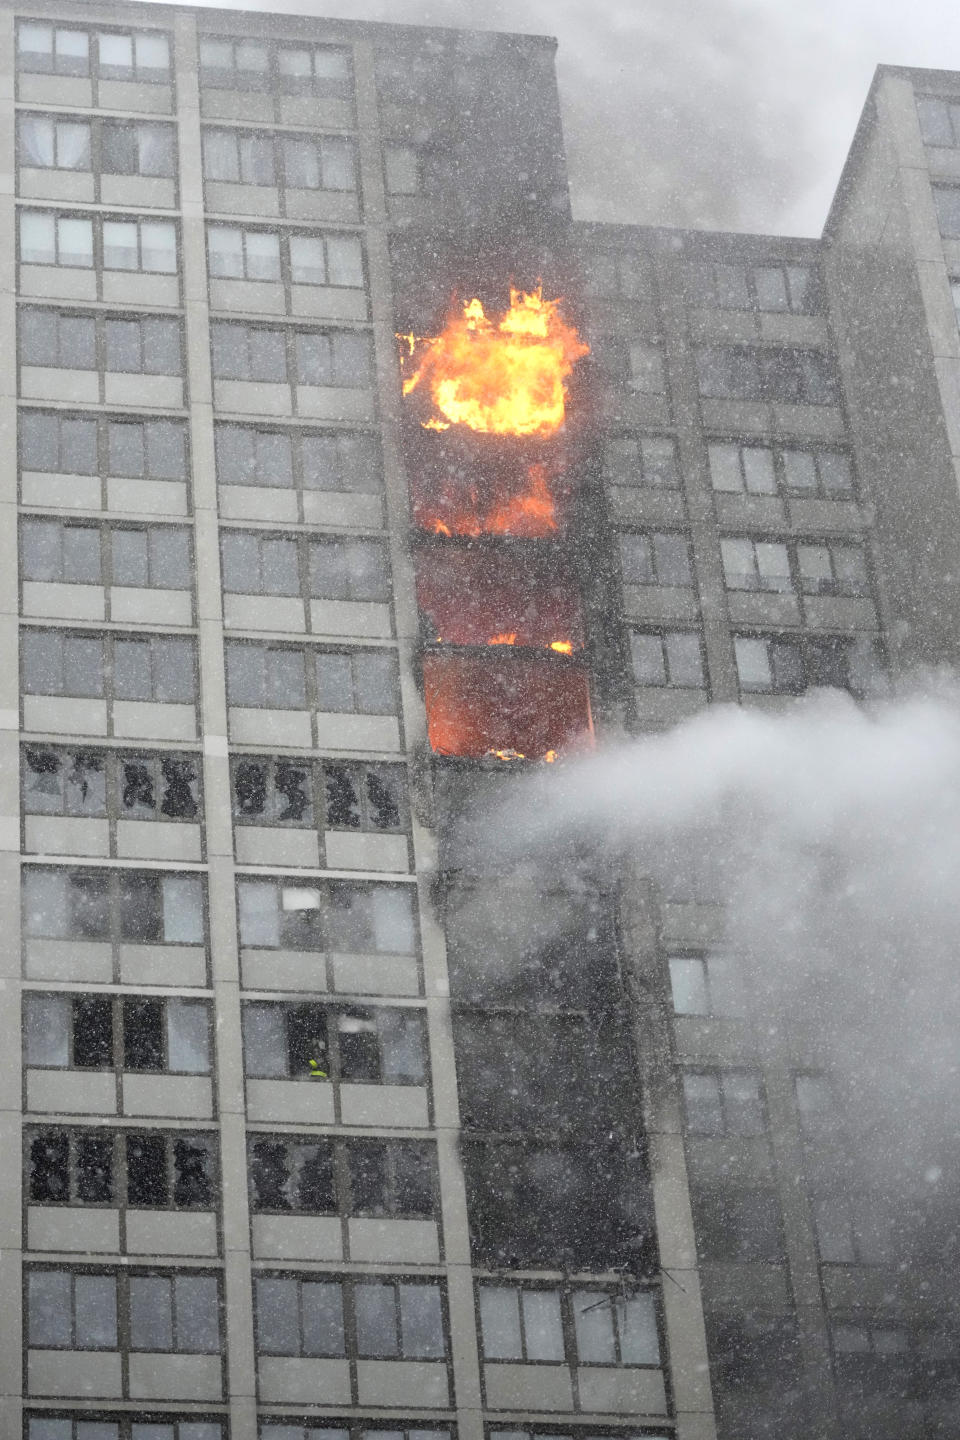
<point x="760" y="364"/>
<point x="118" y="1010"/>
<point x="106" y="530"/>
<point x="294" y="369"/>
<point x="296" y="436"/>
<point x="123" y="1327"/>
<point x="117" y="1139"/>
<point x="100" y="431"/>
<point x="780" y="455"/>
<point x="108" y="683"/>
<point x="112" y="766"/>
<point x="617" y="480"/>
<point x="727" y="1104"/>
<point x="118" y="887"/>
<point x="348" y="1286"/>
<point x="95" y="67"/>
<point x="310" y="655"/>
<point x="100" y="347"/>
<point x="272" y="81"/>
<point x="652" y="537"/>
<point x="317" y="797"/>
<point x="567" y="1292"/>
<point x="286" y="270"/>
<point x="99" y="130"/>
<point x="665" y="636"/>
<point x="344" y="1199"/>
<point x="280" y="163"/>
<point x="709" y="294"/>
<point x="304" y="548"/>
<point x="804" y="646"/>
<point x="320" y="891"/>
<point x="332" y="1065"/>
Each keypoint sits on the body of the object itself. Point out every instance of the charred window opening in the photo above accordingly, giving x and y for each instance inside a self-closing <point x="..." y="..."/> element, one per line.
<point x="511" y="707"/>
<point x="585" y="1207"/>
<point x="392" y="1178"/>
<point x="515" y="941"/>
<point x="292" y="1175"/>
<point x="152" y="1170"/>
<point x="492" y="594"/>
<point x="307" y="1175"/>
<point x="339" y="795"/>
<point x="528" y="1072"/>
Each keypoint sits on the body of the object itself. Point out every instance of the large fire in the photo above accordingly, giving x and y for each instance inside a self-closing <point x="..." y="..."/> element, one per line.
<point x="499" y="377"/>
<point x="526" y="514"/>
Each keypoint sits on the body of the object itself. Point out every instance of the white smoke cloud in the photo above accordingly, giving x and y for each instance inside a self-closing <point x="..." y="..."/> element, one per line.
<point x="831" y="834"/>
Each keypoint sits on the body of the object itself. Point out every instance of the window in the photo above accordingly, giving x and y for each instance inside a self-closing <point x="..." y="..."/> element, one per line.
<point x="137" y="148"/>
<point x="243" y="254"/>
<point x="394" y="1179"/>
<point x="331" y="794"/>
<point x="762" y="470"/>
<point x="266" y="675"/>
<point x="857" y="1229"/>
<point x="326" y="460"/>
<point x="249" y="157"/>
<point x="871" y="1360"/>
<point x="326" y="260"/>
<point x="833" y="569"/>
<point x="307" y="1175"/>
<point x="71" y="1310"/>
<point x="646" y="368"/>
<point x="362" y="683"/>
<point x="153" y="449"/>
<point x="742" y="468"/>
<point x="335" y="358"/>
<point x="655" y="559"/>
<point x="939" y="121"/>
<point x="723" y="1102"/>
<point x="97" y="1032"/>
<point x="48" y="1427"/>
<point x="360" y="919"/>
<point x="390" y="1319"/>
<point x="141" y="787"/>
<point x="313" y="70"/>
<point x="147" y="245"/>
<point x="401" y="168"/>
<point x="63" y="443"/>
<point x="756" y="565"/>
<point x="62" y="663"/>
<point x="249" y="352"/>
<point x="781" y="666"/>
<point x="234" y="64"/>
<point x="737" y="1226"/>
<point x="154" y="555"/>
<point x="816" y="1103"/>
<point x="704" y="985"/>
<point x="139" y="56"/>
<point x="602" y="1327"/>
<point x="149" y="346"/>
<point x="243" y="157"/>
<point x="54" y="550"/>
<point x="48" y="337"/>
<point x="335" y="569"/>
<point x="160" y="669"/>
<point x="52" y="50"/>
<point x="148" y="1170"/>
<point x="804" y="377"/>
<point x="348" y="570"/>
<point x="641" y="460"/>
<point x="143" y="907"/>
<point x="672" y="658"/>
<point x="48" y="239"/>
<point x="49" y="144"/>
<point x="538" y="1205"/>
<point x="774" y="285"/>
<point x="613" y="274"/>
<point x="327" y="163"/>
<point x="356" y="1044"/>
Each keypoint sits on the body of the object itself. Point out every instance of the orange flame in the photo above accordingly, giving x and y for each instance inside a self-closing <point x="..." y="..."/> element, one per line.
<point x="509" y="639"/>
<point x="500" y="378"/>
<point x="562" y="647"/>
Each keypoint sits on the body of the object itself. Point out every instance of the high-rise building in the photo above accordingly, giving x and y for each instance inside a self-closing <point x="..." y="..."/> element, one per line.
<point x="317" y="1120"/>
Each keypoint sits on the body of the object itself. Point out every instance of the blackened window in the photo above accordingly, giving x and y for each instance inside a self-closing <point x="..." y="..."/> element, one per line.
<point x="395" y="1178"/>
<point x="291" y="1175"/>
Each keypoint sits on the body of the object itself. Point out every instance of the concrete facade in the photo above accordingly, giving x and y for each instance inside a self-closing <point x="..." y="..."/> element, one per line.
<point x="248" y="1149"/>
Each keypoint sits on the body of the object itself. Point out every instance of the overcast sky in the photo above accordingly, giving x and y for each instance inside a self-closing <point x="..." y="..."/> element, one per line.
<point x="732" y="114"/>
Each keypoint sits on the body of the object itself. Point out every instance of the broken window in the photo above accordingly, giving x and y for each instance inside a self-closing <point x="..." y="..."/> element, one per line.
<point x="392" y="1178"/>
<point x="291" y="1175"/>
<point x="335" y="916"/>
<point x="146" y="907"/>
<point x="505" y="705"/>
<point x="350" y="796"/>
<point x="379" y="1046"/>
<point x="580" y="1206"/>
<point x="473" y="594"/>
<point x="77" y="1032"/>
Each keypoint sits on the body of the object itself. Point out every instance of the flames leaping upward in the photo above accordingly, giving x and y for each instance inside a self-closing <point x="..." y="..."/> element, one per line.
<point x="503" y="377"/>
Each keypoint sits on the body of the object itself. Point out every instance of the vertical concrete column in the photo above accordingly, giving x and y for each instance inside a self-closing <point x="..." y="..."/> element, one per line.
<point x="459" y="1274"/>
<point x="682" y="1302"/>
<point x="241" y="1360"/>
<point x="11" y="1078"/>
<point x="701" y="511"/>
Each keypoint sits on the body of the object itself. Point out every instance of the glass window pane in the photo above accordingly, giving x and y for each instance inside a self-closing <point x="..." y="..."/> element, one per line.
<point x="684" y="660"/>
<point x="648" y="659"/>
<point x="338" y="164"/>
<point x="158" y="247"/>
<point x="376" y="1320"/>
<point x="170" y="566"/>
<point x="835" y="473"/>
<point x="375" y="678"/>
<point x="173" y="673"/>
<point x="286" y="679"/>
<point x="542" y="1329"/>
<point x="197" y="1312"/>
<point x="421" y="1322"/>
<point x="593" y="1322"/>
<point x="49" y="1308"/>
<point x="38" y="238"/>
<point x="758" y="470"/>
<point x="307" y="262"/>
<point x="500" y="1323"/>
<point x="226" y="251"/>
<point x="263" y="256"/>
<point x="47" y="1024"/>
<point x="152" y="53"/>
<point x="188" y="1037"/>
<point x="753" y="663"/>
<point x="702" y="1096"/>
<point x="637" y="1323"/>
<point x="182" y="909"/>
<point x="151" y="1313"/>
<point x="771" y="288"/>
<point x="95" y="1300"/>
<point x="344" y="260"/>
<point x="130" y="557"/>
<point x="323" y="1329"/>
<point x="277" y="1319"/>
<point x="82" y="665"/>
<point x="116" y="51"/>
<point x="688" y="982"/>
<point x="264" y="1035"/>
